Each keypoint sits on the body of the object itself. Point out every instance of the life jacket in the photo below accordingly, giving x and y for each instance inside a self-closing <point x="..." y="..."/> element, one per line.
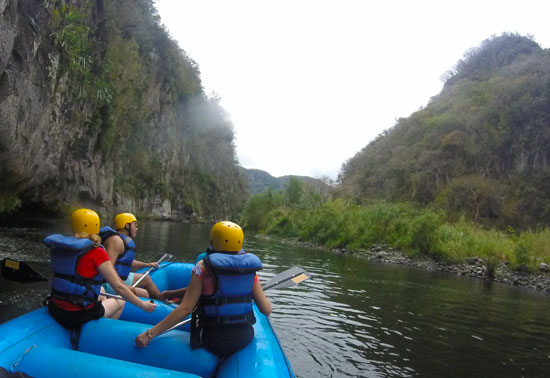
<point x="123" y="264"/>
<point x="231" y="303"/>
<point x="203" y="255"/>
<point x="208" y="251"/>
<point x="67" y="284"/>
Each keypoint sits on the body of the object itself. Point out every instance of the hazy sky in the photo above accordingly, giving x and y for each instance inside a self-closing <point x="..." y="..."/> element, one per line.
<point x="309" y="83"/>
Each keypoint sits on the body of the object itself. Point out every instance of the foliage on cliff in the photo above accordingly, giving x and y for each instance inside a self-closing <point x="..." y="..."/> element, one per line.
<point x="126" y="101"/>
<point x="480" y="148"/>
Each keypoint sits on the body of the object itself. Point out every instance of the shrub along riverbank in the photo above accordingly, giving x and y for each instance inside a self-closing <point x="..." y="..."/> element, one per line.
<point x="301" y="214"/>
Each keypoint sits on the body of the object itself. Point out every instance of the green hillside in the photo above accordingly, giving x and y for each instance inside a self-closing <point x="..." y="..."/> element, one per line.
<point x="480" y="148"/>
<point x="259" y="181"/>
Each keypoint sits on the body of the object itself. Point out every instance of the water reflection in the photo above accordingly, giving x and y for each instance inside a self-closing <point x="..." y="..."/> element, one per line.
<point x="184" y="241"/>
<point x="370" y="320"/>
<point x="353" y="318"/>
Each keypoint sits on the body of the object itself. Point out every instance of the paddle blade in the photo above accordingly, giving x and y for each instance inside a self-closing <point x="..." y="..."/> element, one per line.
<point x="165" y="257"/>
<point x="19" y="271"/>
<point x="288" y="278"/>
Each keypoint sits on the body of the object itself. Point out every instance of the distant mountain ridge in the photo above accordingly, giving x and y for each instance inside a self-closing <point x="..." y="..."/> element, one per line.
<point x="259" y="181"/>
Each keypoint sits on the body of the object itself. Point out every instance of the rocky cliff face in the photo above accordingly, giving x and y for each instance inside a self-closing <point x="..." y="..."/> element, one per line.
<point x="94" y="114"/>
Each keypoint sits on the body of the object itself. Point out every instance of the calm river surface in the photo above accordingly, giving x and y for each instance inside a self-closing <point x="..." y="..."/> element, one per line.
<point x="353" y="318"/>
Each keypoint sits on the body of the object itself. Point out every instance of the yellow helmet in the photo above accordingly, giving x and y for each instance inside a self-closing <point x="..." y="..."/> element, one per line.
<point x="122" y="219"/>
<point x="226" y="237"/>
<point x="85" y="220"/>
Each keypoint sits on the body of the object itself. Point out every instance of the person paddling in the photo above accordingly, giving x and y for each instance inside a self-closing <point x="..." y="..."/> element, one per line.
<point x="121" y="251"/>
<point x="222" y="288"/>
<point x="80" y="265"/>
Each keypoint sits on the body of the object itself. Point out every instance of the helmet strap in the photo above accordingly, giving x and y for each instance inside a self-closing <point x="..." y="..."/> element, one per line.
<point x="127" y="229"/>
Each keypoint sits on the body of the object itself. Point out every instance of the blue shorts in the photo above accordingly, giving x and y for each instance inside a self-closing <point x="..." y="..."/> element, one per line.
<point x="129" y="281"/>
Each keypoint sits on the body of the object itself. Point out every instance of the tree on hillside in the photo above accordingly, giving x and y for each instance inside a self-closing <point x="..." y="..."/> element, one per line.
<point x="476" y="196"/>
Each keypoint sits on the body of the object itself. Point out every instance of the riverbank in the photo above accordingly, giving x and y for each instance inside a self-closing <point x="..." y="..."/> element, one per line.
<point x="474" y="268"/>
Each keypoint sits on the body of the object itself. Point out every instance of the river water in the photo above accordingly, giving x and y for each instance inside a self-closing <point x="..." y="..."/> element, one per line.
<point x="353" y="318"/>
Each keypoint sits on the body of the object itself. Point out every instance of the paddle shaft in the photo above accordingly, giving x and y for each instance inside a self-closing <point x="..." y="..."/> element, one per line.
<point x="20" y="271"/>
<point x="164" y="257"/>
<point x="299" y="273"/>
<point x="116" y="296"/>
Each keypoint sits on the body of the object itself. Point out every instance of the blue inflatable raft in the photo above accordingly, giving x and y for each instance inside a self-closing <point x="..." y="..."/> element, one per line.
<point x="38" y="346"/>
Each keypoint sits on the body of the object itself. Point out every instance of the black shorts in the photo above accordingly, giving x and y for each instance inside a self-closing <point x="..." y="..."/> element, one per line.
<point x="224" y="341"/>
<point x="75" y="319"/>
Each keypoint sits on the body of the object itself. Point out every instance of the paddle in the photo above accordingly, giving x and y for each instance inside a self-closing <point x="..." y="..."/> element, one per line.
<point x="164" y="257"/>
<point x="20" y="271"/>
<point x="288" y="278"/>
<point x="116" y="296"/>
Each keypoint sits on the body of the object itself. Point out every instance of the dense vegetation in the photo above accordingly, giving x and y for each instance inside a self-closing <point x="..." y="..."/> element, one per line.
<point x="300" y="212"/>
<point x="479" y="149"/>
<point x="465" y="176"/>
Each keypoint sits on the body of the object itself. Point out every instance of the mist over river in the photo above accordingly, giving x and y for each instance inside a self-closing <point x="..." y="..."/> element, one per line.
<point x="353" y="317"/>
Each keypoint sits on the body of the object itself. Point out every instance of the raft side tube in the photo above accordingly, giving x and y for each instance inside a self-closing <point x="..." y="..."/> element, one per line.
<point x="35" y="327"/>
<point x="115" y="339"/>
<point x="263" y="357"/>
<point x="46" y="361"/>
<point x="171" y="275"/>
<point x="132" y="313"/>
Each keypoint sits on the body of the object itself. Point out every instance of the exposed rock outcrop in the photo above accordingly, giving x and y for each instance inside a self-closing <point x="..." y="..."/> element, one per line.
<point x="117" y="132"/>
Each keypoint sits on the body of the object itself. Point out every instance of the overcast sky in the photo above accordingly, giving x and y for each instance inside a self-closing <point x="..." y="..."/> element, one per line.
<point x="309" y="83"/>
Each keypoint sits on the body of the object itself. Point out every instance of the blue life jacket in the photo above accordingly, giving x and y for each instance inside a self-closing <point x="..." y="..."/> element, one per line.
<point x="123" y="264"/>
<point x="67" y="284"/>
<point x="208" y="251"/>
<point x="200" y="257"/>
<point x="231" y="304"/>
